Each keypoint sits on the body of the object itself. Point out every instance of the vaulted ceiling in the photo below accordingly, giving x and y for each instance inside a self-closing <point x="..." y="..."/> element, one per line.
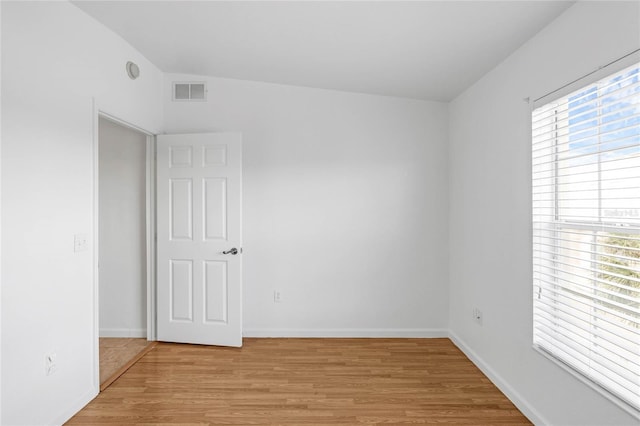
<point x="426" y="50"/>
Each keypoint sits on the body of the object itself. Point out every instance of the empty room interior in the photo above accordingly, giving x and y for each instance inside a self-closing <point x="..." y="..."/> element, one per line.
<point x="320" y="212"/>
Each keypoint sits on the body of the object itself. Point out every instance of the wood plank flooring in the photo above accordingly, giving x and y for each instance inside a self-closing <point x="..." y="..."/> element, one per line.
<point x="117" y="355"/>
<point x="303" y="382"/>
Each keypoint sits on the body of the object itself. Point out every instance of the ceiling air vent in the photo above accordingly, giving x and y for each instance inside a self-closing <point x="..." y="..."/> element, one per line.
<point x="190" y="91"/>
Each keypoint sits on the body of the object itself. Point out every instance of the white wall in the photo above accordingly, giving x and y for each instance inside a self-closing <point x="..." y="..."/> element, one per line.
<point x="0" y="219"/>
<point x="122" y="231"/>
<point x="54" y="60"/>
<point x="345" y="206"/>
<point x="490" y="217"/>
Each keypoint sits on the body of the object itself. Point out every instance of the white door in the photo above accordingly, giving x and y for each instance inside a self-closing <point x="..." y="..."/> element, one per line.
<point x="199" y="207"/>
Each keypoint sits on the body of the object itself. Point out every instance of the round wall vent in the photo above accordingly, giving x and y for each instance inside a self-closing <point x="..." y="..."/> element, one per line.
<point x="133" y="71"/>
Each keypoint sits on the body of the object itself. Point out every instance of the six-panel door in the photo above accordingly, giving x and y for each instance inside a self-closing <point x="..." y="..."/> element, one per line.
<point x="199" y="194"/>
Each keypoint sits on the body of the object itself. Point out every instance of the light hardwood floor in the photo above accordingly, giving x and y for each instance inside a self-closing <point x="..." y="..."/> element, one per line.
<point x="303" y="382"/>
<point x="117" y="355"/>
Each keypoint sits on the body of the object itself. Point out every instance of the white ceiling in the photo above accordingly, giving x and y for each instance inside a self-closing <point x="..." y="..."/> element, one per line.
<point x="426" y="50"/>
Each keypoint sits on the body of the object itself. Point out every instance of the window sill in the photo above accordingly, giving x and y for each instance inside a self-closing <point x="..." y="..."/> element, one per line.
<point x="628" y="408"/>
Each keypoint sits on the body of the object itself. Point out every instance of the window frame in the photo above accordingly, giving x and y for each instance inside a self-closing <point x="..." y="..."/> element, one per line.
<point x="595" y="229"/>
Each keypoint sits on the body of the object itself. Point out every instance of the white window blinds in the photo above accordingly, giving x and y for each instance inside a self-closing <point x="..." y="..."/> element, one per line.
<point x="586" y="232"/>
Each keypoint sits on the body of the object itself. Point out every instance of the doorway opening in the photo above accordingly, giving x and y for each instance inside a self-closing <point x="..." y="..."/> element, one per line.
<point x="125" y="249"/>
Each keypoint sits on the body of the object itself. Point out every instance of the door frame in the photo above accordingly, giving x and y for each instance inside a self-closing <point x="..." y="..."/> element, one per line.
<point x="150" y="204"/>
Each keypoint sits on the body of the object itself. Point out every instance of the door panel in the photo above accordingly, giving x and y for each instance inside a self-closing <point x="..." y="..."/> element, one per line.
<point x="215" y="209"/>
<point x="199" y="217"/>
<point x="181" y="205"/>
<point x="215" y="281"/>
<point x="181" y="290"/>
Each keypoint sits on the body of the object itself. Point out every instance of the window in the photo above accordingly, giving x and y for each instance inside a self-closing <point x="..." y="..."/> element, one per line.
<point x="586" y="232"/>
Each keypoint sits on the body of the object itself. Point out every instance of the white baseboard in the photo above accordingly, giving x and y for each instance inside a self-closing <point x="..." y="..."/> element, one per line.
<point x="347" y="332"/>
<point x="123" y="332"/>
<point x="78" y="405"/>
<point x="523" y="405"/>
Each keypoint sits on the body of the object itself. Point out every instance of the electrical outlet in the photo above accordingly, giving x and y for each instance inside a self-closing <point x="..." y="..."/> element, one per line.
<point x="50" y="364"/>
<point x="277" y="296"/>
<point x="477" y="315"/>
<point x="80" y="242"/>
